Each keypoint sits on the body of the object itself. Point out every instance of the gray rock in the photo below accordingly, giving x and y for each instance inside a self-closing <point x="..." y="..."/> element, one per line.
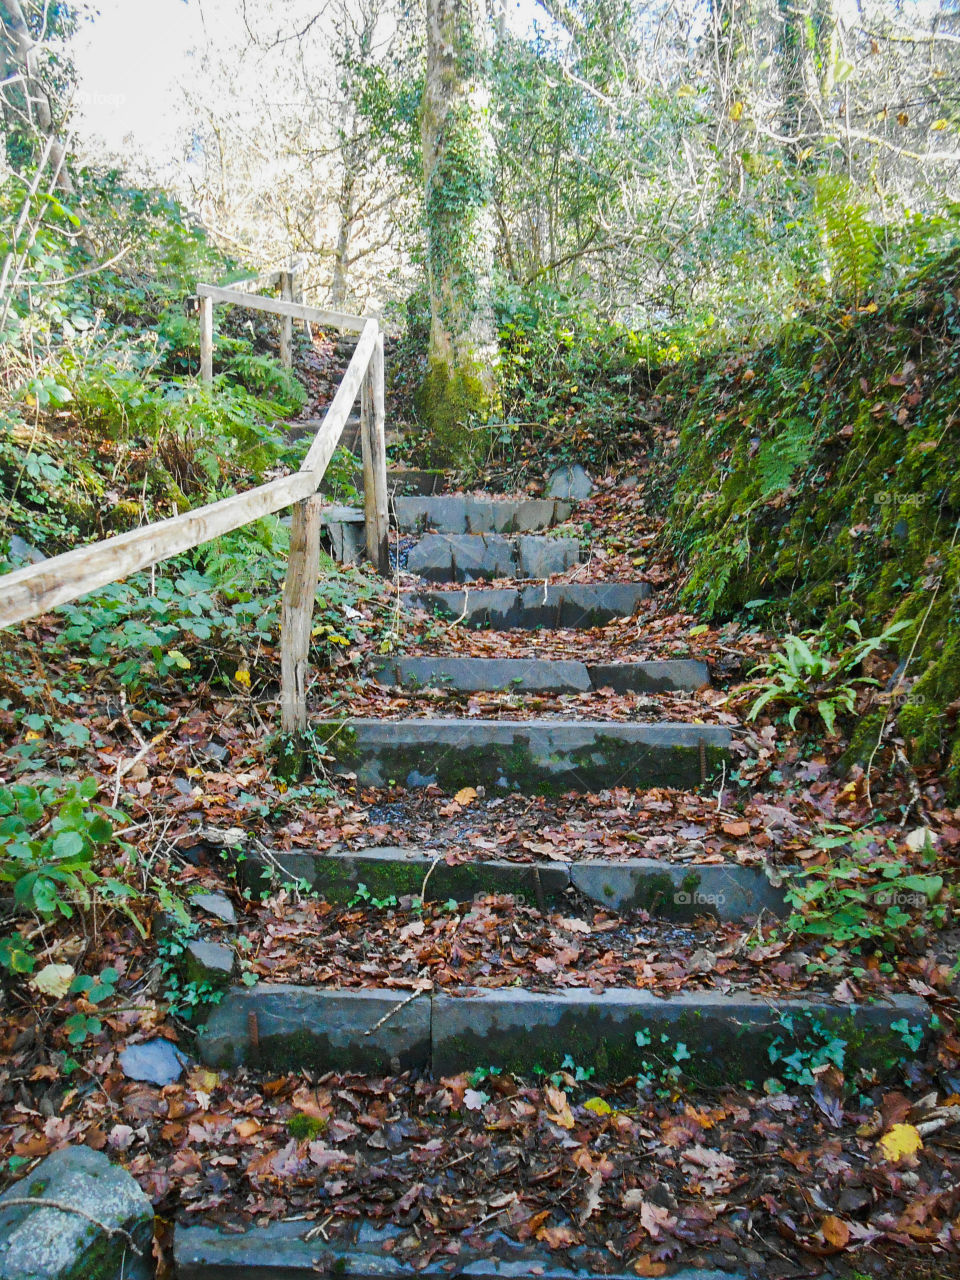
<point x="565" y="605"/>
<point x="21" y="552"/>
<point x="209" y="962"/>
<point x="215" y="904"/>
<point x="156" y="1061"/>
<point x="446" y="557"/>
<point x="285" y="1250"/>
<point x="570" y="605"/>
<point x="109" y="1237"/>
<point x="323" y="1030"/>
<point x="650" y="677"/>
<point x="497" y="607"/>
<point x="530" y="756"/>
<point x="678" y="891"/>
<point x="570" y="482"/>
<point x="541" y="557"/>
<point x="402" y="872"/>
<point x="485" y="675"/>
<point x="459" y="513"/>
<point x="285" y="1028"/>
<point x="728" y="1036"/>
<point x="338" y="513"/>
<point x="217" y="752"/>
<point x="346" y="541"/>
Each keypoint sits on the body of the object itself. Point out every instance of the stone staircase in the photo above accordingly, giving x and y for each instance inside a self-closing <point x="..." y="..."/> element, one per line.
<point x="462" y="543"/>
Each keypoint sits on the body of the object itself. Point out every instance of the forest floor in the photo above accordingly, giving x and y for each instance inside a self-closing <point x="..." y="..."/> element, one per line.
<point x="801" y="1182"/>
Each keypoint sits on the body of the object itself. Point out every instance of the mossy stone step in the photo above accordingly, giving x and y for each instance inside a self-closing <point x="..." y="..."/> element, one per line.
<point x="367" y="1251"/>
<point x="461" y="513"/>
<point x="666" y="890"/>
<point x="567" y="605"/>
<point x="469" y="557"/>
<point x="535" y="757"/>
<point x="541" y="675"/>
<point x="620" y="1032"/>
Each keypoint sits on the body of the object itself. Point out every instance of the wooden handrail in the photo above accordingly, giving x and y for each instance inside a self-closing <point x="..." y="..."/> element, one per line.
<point x="31" y="591"/>
<point x="279" y="307"/>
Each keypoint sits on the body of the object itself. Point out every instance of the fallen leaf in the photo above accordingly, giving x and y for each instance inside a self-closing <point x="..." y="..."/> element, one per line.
<point x="735" y="828"/>
<point x="558" y="1237"/>
<point x="560" y="1112"/>
<point x="54" y="980"/>
<point x="835" y="1231"/>
<point x="902" y="1140"/>
<point x="465" y="796"/>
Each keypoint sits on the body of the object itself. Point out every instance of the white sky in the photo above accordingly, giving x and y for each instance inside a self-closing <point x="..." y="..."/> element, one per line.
<point x="132" y="57"/>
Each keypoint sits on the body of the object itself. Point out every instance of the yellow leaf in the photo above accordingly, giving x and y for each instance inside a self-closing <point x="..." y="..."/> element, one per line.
<point x="54" y="980"/>
<point x="200" y="1078"/>
<point x="194" y="771"/>
<point x="902" y="1140"/>
<point x="465" y="796"/>
<point x="242" y="676"/>
<point x="598" y="1107"/>
<point x="940" y="125"/>
<point x="736" y="111"/>
<point x="32" y="736"/>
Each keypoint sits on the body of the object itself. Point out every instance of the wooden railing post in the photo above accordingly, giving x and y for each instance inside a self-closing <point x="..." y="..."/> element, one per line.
<point x="296" y="619"/>
<point x="206" y="341"/>
<point x="286" y="322"/>
<point x="372" y="419"/>
<point x="297" y="278"/>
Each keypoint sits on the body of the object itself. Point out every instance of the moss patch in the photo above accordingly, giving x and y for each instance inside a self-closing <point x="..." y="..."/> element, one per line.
<point x="821" y="474"/>
<point x="453" y="404"/>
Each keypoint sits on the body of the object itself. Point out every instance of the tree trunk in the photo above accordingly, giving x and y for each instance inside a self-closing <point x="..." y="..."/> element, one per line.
<point x="808" y="54"/>
<point x="460" y="388"/>
<point x="24" y="51"/>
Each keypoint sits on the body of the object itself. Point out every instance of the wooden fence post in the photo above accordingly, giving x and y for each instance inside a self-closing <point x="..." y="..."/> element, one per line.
<point x="206" y="341"/>
<point x="372" y="419"/>
<point x="286" y="322"/>
<point x="296" y="620"/>
<point x="297" y="278"/>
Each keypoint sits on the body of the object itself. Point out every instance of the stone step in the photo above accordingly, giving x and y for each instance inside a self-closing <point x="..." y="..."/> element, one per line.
<point x="467" y="557"/>
<point x="665" y="890"/>
<point x="461" y="513"/>
<point x="567" y="605"/>
<point x="412" y="482"/>
<point x="727" y="1036"/>
<point x="541" y="675"/>
<point x="535" y="757"/>
<point x="366" y="1251"/>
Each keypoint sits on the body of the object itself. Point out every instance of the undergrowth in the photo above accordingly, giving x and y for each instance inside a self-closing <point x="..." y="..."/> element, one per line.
<point x="820" y="476"/>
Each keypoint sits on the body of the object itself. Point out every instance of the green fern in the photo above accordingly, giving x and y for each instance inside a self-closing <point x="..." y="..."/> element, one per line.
<point x="778" y="460"/>
<point x="852" y="244"/>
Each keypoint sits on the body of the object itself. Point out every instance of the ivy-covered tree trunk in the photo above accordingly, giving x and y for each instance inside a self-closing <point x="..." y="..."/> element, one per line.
<point x="460" y="387"/>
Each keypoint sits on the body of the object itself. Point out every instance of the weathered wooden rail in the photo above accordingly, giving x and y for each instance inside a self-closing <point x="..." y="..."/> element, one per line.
<point x="31" y="591"/>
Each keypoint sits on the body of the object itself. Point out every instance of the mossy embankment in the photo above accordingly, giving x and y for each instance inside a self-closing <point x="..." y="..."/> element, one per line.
<point x="820" y="473"/>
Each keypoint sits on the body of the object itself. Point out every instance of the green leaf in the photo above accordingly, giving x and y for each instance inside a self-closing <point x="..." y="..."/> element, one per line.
<point x="67" y="844"/>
